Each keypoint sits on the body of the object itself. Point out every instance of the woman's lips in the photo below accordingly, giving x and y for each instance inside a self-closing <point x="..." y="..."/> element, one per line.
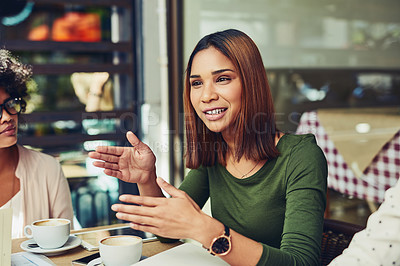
<point x="215" y="114"/>
<point x="9" y="131"/>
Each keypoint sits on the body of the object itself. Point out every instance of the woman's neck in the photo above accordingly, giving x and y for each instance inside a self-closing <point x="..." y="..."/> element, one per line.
<point x="229" y="140"/>
<point x="8" y="159"/>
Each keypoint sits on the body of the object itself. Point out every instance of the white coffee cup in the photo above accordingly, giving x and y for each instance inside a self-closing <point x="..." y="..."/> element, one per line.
<point x="49" y="233"/>
<point x="120" y="250"/>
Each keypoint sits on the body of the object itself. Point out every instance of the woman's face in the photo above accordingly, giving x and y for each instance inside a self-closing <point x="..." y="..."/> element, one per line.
<point x="8" y="124"/>
<point x="215" y="90"/>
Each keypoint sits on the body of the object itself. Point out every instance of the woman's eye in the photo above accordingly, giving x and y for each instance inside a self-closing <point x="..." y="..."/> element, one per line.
<point x="223" y="79"/>
<point x="11" y="104"/>
<point x="196" y="83"/>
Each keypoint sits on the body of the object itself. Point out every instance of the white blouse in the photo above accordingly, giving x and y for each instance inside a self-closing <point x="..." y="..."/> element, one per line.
<point x="18" y="215"/>
<point x="44" y="191"/>
<point x="379" y="243"/>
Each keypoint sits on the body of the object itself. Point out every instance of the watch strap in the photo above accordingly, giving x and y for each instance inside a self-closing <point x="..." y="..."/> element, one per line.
<point x="227" y="230"/>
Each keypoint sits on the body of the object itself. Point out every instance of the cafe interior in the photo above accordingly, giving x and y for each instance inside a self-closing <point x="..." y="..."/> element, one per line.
<point x="333" y="69"/>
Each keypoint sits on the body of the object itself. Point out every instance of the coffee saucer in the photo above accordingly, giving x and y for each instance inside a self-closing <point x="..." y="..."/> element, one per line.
<point x="71" y="243"/>
<point x="96" y="262"/>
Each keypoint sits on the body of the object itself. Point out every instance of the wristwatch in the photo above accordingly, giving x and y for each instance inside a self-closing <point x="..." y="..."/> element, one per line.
<point x="221" y="245"/>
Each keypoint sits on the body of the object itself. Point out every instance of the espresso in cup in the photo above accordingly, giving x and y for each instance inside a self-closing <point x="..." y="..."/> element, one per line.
<point x="49" y="233"/>
<point x="120" y="250"/>
<point x="51" y="222"/>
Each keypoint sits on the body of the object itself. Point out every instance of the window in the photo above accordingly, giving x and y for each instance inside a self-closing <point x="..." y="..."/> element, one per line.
<point x="86" y="81"/>
<point x="317" y="54"/>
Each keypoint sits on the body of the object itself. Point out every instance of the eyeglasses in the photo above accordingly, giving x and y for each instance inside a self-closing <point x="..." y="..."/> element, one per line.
<point x="12" y="106"/>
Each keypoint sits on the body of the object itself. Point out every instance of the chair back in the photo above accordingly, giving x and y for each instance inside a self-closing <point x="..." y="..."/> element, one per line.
<point x="336" y="236"/>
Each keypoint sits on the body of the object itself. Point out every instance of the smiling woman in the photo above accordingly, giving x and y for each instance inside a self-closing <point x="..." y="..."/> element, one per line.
<point x="215" y="91"/>
<point x="32" y="183"/>
<point x="252" y="112"/>
<point x="267" y="189"/>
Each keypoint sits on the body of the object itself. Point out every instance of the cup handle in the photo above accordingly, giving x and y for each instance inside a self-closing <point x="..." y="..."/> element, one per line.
<point x="27" y="234"/>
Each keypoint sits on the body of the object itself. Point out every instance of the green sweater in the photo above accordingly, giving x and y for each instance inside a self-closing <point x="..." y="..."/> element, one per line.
<point x="281" y="206"/>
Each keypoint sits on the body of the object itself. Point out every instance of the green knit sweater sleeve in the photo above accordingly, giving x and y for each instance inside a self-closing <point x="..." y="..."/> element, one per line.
<point x="306" y="182"/>
<point x="196" y="185"/>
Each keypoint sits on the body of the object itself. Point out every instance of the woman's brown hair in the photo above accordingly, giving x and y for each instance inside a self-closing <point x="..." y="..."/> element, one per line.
<point x="255" y="126"/>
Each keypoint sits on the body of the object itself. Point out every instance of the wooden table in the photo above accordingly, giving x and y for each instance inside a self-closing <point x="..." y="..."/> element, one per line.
<point x="150" y="248"/>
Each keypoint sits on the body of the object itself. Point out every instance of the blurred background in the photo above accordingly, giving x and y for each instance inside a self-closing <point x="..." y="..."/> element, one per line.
<point x="104" y="67"/>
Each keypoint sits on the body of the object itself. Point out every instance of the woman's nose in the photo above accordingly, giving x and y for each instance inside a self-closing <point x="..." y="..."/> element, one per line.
<point x="209" y="93"/>
<point x="5" y="116"/>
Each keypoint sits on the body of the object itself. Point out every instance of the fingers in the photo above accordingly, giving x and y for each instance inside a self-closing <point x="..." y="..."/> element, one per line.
<point x="106" y="161"/>
<point x="139" y="200"/>
<point x="137" y="219"/>
<point x="109" y="150"/>
<point x="143" y="218"/>
<point x="115" y="173"/>
<point x="111" y="169"/>
<point x="171" y="190"/>
<point x="174" y="192"/>
<point x="139" y="146"/>
<point x="93" y="154"/>
<point x="110" y="160"/>
<point x="133" y="210"/>
<point x="144" y="228"/>
<point x="140" y="215"/>
<point x="106" y="165"/>
<point x="133" y="140"/>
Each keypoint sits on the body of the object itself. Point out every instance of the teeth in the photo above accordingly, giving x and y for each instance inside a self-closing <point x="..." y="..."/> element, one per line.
<point x="215" y="111"/>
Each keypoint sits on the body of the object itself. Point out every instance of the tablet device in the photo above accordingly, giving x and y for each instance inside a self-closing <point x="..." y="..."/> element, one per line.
<point x="90" y="239"/>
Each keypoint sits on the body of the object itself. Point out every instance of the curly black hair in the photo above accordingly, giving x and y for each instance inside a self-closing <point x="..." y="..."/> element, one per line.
<point x="14" y="76"/>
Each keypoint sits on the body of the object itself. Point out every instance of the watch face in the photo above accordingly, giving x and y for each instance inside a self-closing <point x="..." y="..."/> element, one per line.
<point x="221" y="245"/>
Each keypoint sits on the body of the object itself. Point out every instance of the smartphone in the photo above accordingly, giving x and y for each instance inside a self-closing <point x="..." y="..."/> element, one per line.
<point x="86" y="260"/>
<point x="90" y="239"/>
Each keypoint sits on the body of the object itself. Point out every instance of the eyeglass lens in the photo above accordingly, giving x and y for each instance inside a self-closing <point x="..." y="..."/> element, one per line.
<point x="12" y="106"/>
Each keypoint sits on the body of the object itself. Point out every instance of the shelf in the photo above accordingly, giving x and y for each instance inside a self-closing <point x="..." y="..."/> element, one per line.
<point x="77" y="116"/>
<point x="59" y="69"/>
<point x="89" y="47"/>
<point x="71" y="138"/>
<point x="64" y="58"/>
<point x="66" y="140"/>
<point x="122" y="3"/>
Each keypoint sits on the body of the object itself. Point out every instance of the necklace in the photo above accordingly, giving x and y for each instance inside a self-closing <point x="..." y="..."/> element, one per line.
<point x="244" y="175"/>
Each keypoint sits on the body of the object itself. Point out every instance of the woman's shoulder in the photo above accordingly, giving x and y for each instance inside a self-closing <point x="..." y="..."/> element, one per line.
<point x="303" y="145"/>
<point x="32" y="157"/>
<point x="291" y="140"/>
<point x="199" y="170"/>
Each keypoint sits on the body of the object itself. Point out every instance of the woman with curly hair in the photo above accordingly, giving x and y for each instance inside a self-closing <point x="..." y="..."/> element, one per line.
<point x="32" y="183"/>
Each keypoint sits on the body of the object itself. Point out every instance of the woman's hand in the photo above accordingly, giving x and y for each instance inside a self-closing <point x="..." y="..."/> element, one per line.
<point x="176" y="217"/>
<point x="131" y="164"/>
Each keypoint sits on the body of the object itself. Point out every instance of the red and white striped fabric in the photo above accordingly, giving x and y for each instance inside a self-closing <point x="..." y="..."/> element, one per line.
<point x="382" y="173"/>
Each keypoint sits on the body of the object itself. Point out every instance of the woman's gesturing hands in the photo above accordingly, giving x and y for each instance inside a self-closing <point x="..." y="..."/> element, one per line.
<point x="176" y="217"/>
<point x="131" y="164"/>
